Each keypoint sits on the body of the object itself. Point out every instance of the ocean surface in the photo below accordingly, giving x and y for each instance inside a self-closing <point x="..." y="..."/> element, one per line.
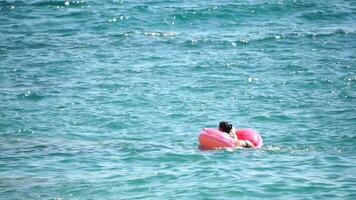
<point x="106" y="99"/>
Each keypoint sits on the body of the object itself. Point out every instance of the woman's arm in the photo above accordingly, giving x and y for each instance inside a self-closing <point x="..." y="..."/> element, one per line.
<point x="233" y="134"/>
<point x="244" y="144"/>
<point x="249" y="144"/>
<point x="240" y="143"/>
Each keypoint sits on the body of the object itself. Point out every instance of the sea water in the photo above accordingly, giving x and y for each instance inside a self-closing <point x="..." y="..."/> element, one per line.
<point x="105" y="99"/>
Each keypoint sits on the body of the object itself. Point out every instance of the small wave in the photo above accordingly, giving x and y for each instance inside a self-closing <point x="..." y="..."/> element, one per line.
<point x="39" y="147"/>
<point x="114" y="125"/>
<point x="45" y="3"/>
<point x="218" y="43"/>
<point x="348" y="139"/>
<point x="290" y="149"/>
<point x="272" y="117"/>
<point x="295" y="36"/>
<point x="57" y="4"/>
<point x="160" y="34"/>
<point x="214" y="43"/>
<point x="141" y="8"/>
<point x="30" y="95"/>
<point x="144" y="33"/>
<point x="324" y="15"/>
<point x="237" y="11"/>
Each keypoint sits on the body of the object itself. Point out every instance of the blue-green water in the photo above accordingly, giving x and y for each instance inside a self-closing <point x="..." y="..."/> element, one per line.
<point x="105" y="99"/>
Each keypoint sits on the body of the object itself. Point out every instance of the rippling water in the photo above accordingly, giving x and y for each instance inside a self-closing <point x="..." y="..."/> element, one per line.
<point x="105" y="99"/>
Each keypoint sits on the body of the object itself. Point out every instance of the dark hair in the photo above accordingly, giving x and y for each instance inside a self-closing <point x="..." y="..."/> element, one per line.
<point x="225" y="126"/>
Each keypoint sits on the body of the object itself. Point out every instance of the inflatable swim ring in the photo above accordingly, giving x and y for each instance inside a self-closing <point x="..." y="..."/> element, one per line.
<point x="211" y="138"/>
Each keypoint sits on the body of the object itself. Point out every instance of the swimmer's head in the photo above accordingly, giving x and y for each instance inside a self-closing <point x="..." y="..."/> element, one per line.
<point x="225" y="126"/>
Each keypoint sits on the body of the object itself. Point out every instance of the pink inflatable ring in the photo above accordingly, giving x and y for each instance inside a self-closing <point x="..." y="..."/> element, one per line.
<point x="211" y="138"/>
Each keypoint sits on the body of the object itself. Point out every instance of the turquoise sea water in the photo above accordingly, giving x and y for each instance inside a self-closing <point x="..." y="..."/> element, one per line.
<point x="105" y="99"/>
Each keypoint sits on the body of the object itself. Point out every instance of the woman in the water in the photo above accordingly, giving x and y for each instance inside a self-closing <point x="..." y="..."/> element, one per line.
<point x="230" y="129"/>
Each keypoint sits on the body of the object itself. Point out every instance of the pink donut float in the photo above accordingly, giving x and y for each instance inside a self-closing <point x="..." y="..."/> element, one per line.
<point x="211" y="138"/>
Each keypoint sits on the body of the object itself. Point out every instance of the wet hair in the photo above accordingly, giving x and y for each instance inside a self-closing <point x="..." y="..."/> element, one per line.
<point x="225" y="126"/>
